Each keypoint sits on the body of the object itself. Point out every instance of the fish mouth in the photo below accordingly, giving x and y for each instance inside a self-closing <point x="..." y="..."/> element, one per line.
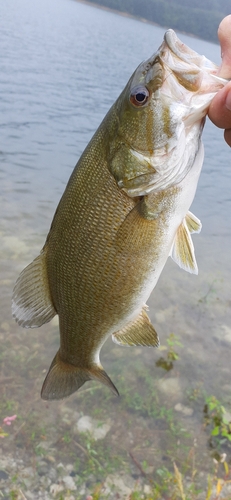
<point x="180" y="50"/>
<point x="191" y="59"/>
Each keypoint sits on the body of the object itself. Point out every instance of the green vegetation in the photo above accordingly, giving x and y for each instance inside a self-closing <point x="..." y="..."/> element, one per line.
<point x="216" y="419"/>
<point x="194" y="17"/>
<point x="167" y="362"/>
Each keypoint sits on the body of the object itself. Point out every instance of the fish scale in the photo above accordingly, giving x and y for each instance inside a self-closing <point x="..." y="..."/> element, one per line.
<point x="124" y="211"/>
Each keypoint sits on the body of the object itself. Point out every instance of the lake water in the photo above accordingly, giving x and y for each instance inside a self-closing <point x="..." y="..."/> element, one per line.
<point x="63" y="64"/>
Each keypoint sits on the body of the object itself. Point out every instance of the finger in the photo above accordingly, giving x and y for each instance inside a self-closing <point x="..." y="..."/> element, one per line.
<point x="227" y="136"/>
<point x="224" y="35"/>
<point x="220" y="108"/>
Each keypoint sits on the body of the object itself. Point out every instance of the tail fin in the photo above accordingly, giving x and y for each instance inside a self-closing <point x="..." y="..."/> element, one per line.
<point x="63" y="379"/>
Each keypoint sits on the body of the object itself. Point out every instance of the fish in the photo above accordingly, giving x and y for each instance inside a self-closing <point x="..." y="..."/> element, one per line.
<point x="124" y="211"/>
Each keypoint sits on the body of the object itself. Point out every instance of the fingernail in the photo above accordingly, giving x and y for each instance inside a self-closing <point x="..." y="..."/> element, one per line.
<point x="228" y="101"/>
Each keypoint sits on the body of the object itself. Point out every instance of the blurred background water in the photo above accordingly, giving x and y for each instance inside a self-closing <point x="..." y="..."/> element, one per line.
<point x="63" y="64"/>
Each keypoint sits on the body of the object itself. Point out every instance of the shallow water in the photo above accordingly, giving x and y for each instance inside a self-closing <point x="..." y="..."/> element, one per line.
<point x="63" y="64"/>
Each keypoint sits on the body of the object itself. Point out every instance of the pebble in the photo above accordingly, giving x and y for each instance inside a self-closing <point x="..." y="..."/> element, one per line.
<point x="3" y="475"/>
<point x="56" y="488"/>
<point x="170" y="387"/>
<point x="69" y="483"/>
<point x="52" y="474"/>
<point x="227" y="416"/>
<point x="118" y="484"/>
<point x="185" y="410"/>
<point x="94" y="427"/>
<point x="147" y="489"/>
<point x="227" y="333"/>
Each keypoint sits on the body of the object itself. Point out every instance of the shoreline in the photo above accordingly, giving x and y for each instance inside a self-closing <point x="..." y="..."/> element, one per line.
<point x="140" y="19"/>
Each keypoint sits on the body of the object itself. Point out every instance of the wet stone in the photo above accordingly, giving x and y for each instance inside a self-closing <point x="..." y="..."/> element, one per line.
<point x="69" y="483"/>
<point x="3" y="475"/>
<point x="227" y="416"/>
<point x="42" y="470"/>
<point x="52" y="474"/>
<point x="56" y="488"/>
<point x="122" y="485"/>
<point x="226" y="333"/>
<point x="170" y="387"/>
<point x="185" y="410"/>
<point x="97" y="429"/>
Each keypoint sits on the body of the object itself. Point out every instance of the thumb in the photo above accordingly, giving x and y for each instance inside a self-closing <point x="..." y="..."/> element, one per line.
<point x="224" y="35"/>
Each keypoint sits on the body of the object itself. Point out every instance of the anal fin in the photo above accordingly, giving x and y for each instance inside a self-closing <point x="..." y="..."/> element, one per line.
<point x="31" y="302"/>
<point x="139" y="332"/>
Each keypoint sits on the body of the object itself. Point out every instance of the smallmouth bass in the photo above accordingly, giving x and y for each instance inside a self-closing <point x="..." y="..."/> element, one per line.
<point x="124" y="211"/>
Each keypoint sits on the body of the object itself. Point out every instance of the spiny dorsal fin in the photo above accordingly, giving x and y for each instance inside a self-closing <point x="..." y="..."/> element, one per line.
<point x="138" y="332"/>
<point x="31" y="301"/>
<point x="183" y="250"/>
<point x="63" y="379"/>
<point x="193" y="223"/>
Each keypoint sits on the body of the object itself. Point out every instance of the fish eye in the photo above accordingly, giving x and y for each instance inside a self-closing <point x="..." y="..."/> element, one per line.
<point x="139" y="96"/>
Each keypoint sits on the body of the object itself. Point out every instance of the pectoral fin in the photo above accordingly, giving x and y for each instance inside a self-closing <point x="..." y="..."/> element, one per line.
<point x="31" y="303"/>
<point x="138" y="332"/>
<point x="193" y="223"/>
<point x="183" y="250"/>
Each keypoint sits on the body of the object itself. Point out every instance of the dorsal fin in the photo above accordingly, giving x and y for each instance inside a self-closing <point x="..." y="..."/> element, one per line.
<point x="183" y="250"/>
<point x="31" y="302"/>
<point x="137" y="332"/>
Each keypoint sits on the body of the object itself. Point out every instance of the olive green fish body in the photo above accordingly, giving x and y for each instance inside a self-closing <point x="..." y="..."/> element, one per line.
<point x="124" y="211"/>
<point x="98" y="289"/>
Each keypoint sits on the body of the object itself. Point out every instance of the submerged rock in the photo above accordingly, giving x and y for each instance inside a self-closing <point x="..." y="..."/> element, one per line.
<point x="170" y="387"/>
<point x="96" y="428"/>
<point x="185" y="410"/>
<point x="122" y="485"/>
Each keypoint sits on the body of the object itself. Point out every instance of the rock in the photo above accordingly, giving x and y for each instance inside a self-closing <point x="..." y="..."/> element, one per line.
<point x="94" y="427"/>
<point x="187" y="412"/>
<point x="56" y="488"/>
<point x="69" y="468"/>
<point x="45" y="482"/>
<point x="3" y="475"/>
<point x="227" y="416"/>
<point x="52" y="474"/>
<point x="227" y="333"/>
<point x="69" y="483"/>
<point x="121" y="485"/>
<point x="170" y="387"/>
<point x="147" y="489"/>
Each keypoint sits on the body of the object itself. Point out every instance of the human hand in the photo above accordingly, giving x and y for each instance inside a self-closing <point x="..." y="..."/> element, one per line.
<point x="220" y="108"/>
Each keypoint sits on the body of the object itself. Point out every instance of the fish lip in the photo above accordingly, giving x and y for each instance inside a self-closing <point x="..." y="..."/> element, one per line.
<point x="178" y="47"/>
<point x="183" y="52"/>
